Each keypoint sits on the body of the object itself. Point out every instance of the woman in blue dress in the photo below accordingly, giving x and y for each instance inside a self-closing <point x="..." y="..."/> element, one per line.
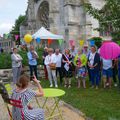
<point x="23" y="93"/>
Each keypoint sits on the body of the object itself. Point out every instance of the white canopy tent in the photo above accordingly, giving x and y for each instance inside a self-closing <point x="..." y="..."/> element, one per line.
<point x="42" y="33"/>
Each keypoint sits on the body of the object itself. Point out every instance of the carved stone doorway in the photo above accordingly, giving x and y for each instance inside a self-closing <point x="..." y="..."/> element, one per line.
<point x="43" y="14"/>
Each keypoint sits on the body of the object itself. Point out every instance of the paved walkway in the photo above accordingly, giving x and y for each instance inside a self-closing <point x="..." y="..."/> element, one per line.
<point x="68" y="113"/>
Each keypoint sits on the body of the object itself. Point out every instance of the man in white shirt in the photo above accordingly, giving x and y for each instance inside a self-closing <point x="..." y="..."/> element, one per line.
<point x="107" y="72"/>
<point x="58" y="56"/>
<point x="50" y="60"/>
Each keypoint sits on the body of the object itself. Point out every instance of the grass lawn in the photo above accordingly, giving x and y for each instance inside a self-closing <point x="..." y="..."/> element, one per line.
<point x="101" y="104"/>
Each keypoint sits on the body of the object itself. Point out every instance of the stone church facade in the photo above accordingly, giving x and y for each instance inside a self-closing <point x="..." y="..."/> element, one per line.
<point x="64" y="17"/>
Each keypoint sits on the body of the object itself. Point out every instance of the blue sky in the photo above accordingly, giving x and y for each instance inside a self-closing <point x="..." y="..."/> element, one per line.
<point x="9" y="12"/>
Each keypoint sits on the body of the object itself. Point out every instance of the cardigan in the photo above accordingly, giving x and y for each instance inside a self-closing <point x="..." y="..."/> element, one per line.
<point x="96" y="61"/>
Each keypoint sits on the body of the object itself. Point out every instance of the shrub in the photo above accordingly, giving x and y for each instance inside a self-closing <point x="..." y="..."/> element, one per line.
<point x="98" y="41"/>
<point x="5" y="59"/>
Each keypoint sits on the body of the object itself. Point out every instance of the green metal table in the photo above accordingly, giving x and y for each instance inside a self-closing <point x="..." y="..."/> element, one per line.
<point x="48" y="93"/>
<point x="55" y="94"/>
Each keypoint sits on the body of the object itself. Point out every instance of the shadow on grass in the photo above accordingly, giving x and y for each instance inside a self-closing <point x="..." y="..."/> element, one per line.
<point x="101" y="104"/>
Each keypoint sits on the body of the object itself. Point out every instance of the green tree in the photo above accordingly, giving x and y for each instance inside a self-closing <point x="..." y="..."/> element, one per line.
<point x="108" y="17"/>
<point x="15" y="29"/>
<point x="98" y="41"/>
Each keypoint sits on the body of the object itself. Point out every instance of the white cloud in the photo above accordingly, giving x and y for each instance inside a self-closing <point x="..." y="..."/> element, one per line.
<point x="3" y="3"/>
<point x="5" y="28"/>
<point x="9" y="12"/>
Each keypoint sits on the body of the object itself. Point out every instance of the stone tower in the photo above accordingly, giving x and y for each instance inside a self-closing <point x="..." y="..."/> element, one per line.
<point x="65" y="17"/>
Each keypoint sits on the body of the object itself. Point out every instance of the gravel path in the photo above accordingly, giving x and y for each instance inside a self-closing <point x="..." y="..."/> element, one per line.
<point x="67" y="112"/>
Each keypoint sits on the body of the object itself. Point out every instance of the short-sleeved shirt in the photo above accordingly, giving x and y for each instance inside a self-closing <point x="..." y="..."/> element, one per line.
<point x="58" y="60"/>
<point x="106" y="64"/>
<point x="26" y="96"/>
<point x="32" y="61"/>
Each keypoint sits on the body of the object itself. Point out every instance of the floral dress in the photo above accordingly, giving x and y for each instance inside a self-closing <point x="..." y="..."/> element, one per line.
<point x="80" y="61"/>
<point x="29" y="114"/>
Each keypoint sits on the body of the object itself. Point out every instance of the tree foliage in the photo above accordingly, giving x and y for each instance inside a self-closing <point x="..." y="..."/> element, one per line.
<point x="98" y="41"/>
<point x="108" y="17"/>
<point x="5" y="58"/>
<point x="15" y="28"/>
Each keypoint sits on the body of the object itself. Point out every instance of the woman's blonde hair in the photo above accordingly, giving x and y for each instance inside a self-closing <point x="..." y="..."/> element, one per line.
<point x="50" y="50"/>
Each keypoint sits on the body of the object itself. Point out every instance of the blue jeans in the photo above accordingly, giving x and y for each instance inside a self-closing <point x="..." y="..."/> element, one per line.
<point x="33" y="68"/>
<point x="95" y="77"/>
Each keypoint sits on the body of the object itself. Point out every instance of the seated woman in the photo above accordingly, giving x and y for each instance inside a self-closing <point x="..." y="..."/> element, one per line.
<point x="23" y="93"/>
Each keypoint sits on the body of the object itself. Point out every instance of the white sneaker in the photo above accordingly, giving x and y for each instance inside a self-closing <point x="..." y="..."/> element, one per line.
<point x="51" y="85"/>
<point x="56" y="86"/>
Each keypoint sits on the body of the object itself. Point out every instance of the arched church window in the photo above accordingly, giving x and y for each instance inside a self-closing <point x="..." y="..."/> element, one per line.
<point x="43" y="14"/>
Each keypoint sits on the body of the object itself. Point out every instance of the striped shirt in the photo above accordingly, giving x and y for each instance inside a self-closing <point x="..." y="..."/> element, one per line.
<point x="26" y="96"/>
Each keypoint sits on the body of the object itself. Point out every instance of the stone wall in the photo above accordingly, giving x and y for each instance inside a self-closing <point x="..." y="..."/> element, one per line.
<point x="66" y="17"/>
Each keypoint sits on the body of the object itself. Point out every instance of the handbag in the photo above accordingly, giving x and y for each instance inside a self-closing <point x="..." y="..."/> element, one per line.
<point x="53" y="66"/>
<point x="71" y="66"/>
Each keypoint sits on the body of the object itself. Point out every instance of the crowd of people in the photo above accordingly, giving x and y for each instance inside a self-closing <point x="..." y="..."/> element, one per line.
<point x="79" y="64"/>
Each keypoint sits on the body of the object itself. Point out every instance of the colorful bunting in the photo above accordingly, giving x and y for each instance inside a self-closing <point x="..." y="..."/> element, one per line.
<point x="60" y="41"/>
<point x="16" y="37"/>
<point x="71" y="42"/>
<point x="6" y="36"/>
<point x="38" y="40"/>
<point x="49" y="41"/>
<point x="81" y="42"/>
<point x="92" y="42"/>
<point x="22" y="41"/>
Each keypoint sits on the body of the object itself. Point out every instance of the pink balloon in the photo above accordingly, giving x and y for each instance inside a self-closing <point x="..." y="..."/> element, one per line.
<point x="109" y="50"/>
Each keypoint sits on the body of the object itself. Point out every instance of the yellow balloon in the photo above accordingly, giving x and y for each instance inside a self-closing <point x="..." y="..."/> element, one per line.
<point x="28" y="38"/>
<point x="81" y="42"/>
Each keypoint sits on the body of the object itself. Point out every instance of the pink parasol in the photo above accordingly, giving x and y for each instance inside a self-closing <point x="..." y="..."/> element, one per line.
<point x="109" y="50"/>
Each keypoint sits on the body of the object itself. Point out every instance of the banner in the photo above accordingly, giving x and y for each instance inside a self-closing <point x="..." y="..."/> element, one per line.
<point x="92" y="42"/>
<point x="71" y="42"/>
<point x="16" y="37"/>
<point x="6" y="36"/>
<point x="22" y="41"/>
<point x="60" y="41"/>
<point x="81" y="42"/>
<point x="38" y="40"/>
<point x="49" y="41"/>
